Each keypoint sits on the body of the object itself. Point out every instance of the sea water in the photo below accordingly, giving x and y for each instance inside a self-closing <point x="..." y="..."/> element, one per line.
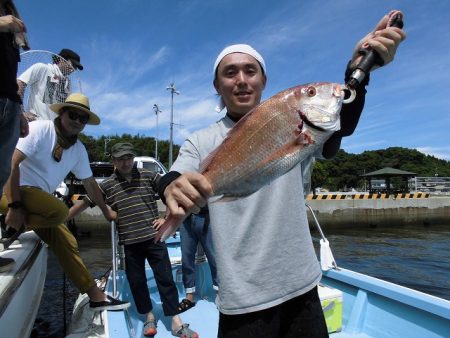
<point x="416" y="257"/>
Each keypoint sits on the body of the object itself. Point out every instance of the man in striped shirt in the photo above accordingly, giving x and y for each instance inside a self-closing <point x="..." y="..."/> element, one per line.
<point x="131" y="193"/>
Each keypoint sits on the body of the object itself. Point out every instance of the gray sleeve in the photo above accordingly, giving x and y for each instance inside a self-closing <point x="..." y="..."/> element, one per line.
<point x="188" y="158"/>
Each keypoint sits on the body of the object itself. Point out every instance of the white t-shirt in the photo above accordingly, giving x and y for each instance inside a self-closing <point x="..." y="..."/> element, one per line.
<point x="39" y="169"/>
<point x="47" y="85"/>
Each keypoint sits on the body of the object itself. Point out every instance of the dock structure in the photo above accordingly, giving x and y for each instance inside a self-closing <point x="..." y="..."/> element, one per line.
<point x="366" y="196"/>
<point x="373" y="210"/>
<point x="341" y="210"/>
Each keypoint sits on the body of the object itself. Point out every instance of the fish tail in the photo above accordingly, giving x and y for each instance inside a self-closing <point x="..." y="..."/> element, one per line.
<point x="169" y="228"/>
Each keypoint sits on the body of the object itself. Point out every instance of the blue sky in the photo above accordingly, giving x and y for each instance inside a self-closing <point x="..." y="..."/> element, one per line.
<point x="133" y="49"/>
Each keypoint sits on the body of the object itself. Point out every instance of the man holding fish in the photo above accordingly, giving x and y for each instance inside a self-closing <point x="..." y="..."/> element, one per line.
<point x="267" y="268"/>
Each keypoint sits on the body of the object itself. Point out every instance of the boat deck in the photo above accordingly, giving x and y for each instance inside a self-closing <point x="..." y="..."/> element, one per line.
<point x="371" y="308"/>
<point x="355" y="306"/>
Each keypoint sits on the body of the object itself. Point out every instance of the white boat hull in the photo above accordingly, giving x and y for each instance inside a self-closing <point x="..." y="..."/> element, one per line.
<point x="21" y="288"/>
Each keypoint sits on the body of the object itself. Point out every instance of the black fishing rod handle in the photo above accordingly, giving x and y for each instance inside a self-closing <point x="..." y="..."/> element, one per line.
<point x="371" y="58"/>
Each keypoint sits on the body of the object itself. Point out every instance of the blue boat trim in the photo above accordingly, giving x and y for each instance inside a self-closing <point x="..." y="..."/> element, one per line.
<point x="416" y="299"/>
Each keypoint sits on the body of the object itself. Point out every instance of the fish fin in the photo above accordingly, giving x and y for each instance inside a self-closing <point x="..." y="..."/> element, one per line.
<point x="292" y="148"/>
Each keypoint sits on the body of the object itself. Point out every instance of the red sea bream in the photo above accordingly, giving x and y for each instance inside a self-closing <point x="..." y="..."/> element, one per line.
<point x="270" y="140"/>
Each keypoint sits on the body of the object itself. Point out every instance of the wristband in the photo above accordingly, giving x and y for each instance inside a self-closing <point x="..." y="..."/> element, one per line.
<point x="164" y="181"/>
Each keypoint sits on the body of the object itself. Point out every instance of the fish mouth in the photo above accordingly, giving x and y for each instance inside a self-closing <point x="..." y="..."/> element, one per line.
<point x="309" y="123"/>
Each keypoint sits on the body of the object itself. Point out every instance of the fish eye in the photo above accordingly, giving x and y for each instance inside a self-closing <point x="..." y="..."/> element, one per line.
<point x="311" y="91"/>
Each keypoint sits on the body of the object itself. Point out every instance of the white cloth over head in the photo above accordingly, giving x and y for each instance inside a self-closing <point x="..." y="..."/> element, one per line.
<point x="239" y="48"/>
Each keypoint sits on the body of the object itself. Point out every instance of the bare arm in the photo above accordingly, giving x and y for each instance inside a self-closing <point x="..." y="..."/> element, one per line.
<point x="96" y="195"/>
<point x="77" y="209"/>
<point x="15" y="217"/>
<point x="21" y="88"/>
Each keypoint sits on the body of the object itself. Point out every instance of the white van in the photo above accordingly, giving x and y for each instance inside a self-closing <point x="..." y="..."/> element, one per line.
<point x="150" y="163"/>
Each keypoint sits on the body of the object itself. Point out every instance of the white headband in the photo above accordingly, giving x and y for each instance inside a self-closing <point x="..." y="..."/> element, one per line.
<point x="240" y="48"/>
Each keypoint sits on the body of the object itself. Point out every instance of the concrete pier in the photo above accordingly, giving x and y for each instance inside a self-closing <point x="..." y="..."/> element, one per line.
<point x="92" y="218"/>
<point x="342" y="213"/>
<point x="381" y="212"/>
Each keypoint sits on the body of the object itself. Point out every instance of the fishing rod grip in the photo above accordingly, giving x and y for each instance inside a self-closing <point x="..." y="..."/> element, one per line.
<point x="371" y="58"/>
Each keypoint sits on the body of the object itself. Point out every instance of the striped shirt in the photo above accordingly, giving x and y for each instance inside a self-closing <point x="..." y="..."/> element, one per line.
<point x="134" y="203"/>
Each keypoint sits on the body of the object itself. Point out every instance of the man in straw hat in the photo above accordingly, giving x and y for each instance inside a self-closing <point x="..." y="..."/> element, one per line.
<point x="48" y="83"/>
<point x="267" y="267"/>
<point x="40" y="162"/>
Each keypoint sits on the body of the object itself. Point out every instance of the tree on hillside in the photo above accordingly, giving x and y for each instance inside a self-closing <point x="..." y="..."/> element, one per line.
<point x="344" y="170"/>
<point x="99" y="148"/>
<point x="341" y="173"/>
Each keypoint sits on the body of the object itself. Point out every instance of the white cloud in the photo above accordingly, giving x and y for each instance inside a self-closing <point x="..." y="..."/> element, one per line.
<point x="438" y="152"/>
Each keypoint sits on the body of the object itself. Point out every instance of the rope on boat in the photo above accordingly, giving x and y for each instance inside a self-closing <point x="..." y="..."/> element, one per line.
<point x="327" y="260"/>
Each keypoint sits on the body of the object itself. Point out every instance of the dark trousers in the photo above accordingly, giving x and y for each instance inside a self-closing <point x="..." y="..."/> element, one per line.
<point x="158" y="258"/>
<point x="299" y="317"/>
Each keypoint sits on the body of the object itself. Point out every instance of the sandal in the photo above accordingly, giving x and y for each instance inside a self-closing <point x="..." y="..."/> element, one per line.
<point x="185" y="332"/>
<point x="185" y="305"/>
<point x="149" y="329"/>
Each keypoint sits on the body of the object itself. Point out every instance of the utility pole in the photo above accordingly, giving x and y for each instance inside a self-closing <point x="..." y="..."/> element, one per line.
<point x="107" y="140"/>
<point x="157" y="111"/>
<point x="172" y="91"/>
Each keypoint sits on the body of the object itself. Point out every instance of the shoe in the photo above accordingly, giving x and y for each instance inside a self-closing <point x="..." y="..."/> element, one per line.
<point x="185" y="305"/>
<point x="111" y="304"/>
<point x="185" y="332"/>
<point x="6" y="264"/>
<point x="149" y="329"/>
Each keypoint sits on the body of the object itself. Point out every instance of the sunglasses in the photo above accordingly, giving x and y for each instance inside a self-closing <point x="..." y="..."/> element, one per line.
<point x="73" y="115"/>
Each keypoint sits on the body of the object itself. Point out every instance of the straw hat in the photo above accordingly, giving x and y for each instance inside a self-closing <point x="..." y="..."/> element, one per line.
<point x="80" y="102"/>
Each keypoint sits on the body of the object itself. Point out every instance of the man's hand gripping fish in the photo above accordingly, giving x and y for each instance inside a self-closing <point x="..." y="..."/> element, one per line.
<point x="269" y="141"/>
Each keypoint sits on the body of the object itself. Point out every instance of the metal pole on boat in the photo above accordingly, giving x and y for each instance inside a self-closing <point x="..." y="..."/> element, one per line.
<point x="172" y="91"/>
<point x="114" y="258"/>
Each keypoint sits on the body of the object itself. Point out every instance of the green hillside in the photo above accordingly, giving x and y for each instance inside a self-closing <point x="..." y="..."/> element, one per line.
<point x="343" y="171"/>
<point x="144" y="146"/>
<point x="338" y="174"/>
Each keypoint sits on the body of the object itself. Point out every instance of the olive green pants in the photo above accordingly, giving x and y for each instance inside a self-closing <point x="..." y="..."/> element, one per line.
<point x="45" y="215"/>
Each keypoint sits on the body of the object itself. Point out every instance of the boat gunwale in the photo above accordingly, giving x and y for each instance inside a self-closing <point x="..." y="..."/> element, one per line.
<point x="20" y="275"/>
<point x="420" y="300"/>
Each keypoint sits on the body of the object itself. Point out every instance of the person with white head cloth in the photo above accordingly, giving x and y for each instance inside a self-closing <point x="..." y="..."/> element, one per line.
<point x="267" y="268"/>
